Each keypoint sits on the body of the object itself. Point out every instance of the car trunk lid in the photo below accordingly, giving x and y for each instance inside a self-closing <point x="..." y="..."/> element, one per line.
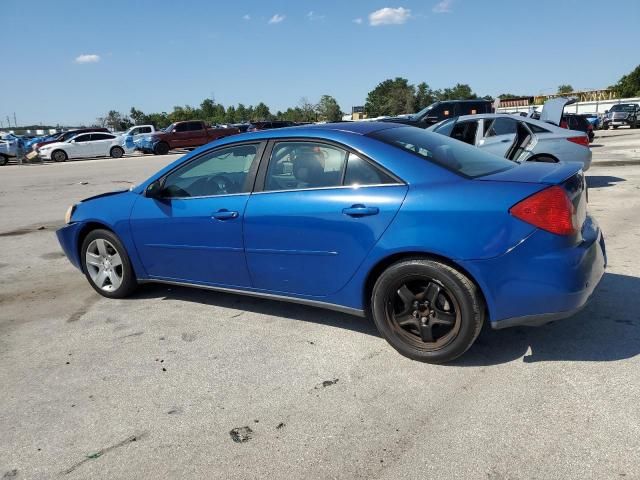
<point x="553" y="109"/>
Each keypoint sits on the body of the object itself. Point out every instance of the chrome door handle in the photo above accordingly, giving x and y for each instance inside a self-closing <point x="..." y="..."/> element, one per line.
<point x="225" y="214"/>
<point x="360" y="210"/>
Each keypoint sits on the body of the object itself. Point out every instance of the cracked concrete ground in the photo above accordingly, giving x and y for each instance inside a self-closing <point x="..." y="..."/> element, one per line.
<point x="157" y="386"/>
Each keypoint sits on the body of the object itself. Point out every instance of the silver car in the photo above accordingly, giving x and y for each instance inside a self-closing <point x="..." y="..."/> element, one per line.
<point x="519" y="138"/>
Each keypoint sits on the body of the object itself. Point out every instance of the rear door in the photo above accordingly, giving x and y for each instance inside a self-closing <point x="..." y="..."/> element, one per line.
<point x="101" y="144"/>
<point x="180" y="135"/>
<point x="499" y="135"/>
<point x="317" y="211"/>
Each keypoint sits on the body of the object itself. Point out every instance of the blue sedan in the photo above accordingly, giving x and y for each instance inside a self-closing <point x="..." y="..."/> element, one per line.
<point x="427" y="235"/>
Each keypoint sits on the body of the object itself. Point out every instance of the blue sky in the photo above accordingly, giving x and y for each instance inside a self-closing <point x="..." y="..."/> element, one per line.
<point x="71" y="61"/>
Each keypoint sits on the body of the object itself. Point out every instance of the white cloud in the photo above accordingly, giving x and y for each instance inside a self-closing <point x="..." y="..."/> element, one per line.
<point x="87" y="58"/>
<point x="444" y="6"/>
<point x="277" y="18"/>
<point x="314" y="16"/>
<point x="389" y="16"/>
<point x="246" y="17"/>
<point x="357" y="20"/>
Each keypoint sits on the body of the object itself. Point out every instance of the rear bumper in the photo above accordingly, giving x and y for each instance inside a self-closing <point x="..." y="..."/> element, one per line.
<point x="525" y="287"/>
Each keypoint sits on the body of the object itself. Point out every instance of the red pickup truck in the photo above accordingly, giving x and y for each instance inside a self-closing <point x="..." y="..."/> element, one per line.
<point x="192" y="133"/>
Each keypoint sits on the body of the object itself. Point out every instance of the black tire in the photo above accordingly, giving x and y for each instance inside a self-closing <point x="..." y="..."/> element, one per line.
<point x="116" y="152"/>
<point x="128" y="279"/>
<point x="161" y="148"/>
<point x="59" y="156"/>
<point x="3" y="160"/>
<point x="615" y="127"/>
<point x="457" y="299"/>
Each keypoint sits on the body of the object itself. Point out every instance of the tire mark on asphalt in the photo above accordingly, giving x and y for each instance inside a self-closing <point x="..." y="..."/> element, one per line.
<point x="83" y="309"/>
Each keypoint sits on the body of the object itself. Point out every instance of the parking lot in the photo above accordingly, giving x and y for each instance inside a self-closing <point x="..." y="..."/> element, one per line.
<point x="153" y="385"/>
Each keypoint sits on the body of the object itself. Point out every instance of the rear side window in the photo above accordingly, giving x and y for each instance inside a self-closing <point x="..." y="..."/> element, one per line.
<point x="193" y="126"/>
<point x="361" y="172"/>
<point x="144" y="130"/>
<point x="456" y="156"/>
<point x="501" y="126"/>
<point x="535" y="128"/>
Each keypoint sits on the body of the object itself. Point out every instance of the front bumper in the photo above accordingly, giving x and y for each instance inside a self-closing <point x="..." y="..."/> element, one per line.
<point x="68" y="238"/>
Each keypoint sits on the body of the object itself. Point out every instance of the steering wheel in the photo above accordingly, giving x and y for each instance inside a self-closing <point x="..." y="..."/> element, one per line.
<point x="224" y="184"/>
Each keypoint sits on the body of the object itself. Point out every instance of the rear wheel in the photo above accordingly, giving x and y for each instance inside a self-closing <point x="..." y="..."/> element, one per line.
<point x="59" y="156"/>
<point x="116" y="152"/>
<point x="106" y="264"/>
<point x="161" y="148"/>
<point x="426" y="310"/>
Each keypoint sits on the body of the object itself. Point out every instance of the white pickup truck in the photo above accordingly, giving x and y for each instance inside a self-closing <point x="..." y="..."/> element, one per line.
<point x="137" y="131"/>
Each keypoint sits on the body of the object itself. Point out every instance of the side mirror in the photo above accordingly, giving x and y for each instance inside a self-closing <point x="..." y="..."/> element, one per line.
<point x="154" y="190"/>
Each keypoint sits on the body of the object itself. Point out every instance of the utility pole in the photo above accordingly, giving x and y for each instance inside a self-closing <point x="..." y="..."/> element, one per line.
<point x="15" y="124"/>
<point x="8" y="121"/>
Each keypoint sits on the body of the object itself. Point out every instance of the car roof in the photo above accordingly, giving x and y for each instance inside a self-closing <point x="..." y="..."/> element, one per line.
<point x="317" y="130"/>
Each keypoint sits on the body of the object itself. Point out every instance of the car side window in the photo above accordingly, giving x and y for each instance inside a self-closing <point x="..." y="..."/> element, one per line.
<point x="220" y="172"/>
<point x="360" y="172"/>
<point x="181" y="127"/>
<point x="465" y="132"/>
<point x="144" y="130"/>
<point x="82" y="138"/>
<point x="501" y="126"/>
<point x="302" y="165"/>
<point x="194" y="126"/>
<point x="101" y="136"/>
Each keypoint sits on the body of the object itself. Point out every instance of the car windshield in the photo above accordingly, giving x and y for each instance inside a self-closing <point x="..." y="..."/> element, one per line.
<point x="422" y="112"/>
<point x="452" y="154"/>
<point x="629" y="107"/>
<point x="445" y="127"/>
<point x="169" y="128"/>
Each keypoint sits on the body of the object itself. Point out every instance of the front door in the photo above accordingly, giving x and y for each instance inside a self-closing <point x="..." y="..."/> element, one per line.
<point x="499" y="135"/>
<point x="313" y="223"/>
<point x="193" y="232"/>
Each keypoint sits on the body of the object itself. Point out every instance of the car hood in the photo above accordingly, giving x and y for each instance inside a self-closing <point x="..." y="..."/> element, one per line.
<point x="536" y="172"/>
<point x="553" y="109"/>
<point x="106" y="194"/>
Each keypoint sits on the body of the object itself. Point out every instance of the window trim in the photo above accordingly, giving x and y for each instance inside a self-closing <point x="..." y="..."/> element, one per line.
<point x="249" y="182"/>
<point x="266" y="160"/>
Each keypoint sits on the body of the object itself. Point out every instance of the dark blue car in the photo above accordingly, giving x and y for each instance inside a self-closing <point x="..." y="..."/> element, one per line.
<point x="427" y="235"/>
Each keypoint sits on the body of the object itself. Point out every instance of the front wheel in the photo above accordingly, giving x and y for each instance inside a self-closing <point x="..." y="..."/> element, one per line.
<point x="106" y="265"/>
<point x="116" y="152"/>
<point x="3" y="160"/>
<point x="59" y="156"/>
<point x="426" y="310"/>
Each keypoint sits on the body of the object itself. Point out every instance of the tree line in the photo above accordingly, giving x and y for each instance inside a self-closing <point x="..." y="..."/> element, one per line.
<point x="391" y="97"/>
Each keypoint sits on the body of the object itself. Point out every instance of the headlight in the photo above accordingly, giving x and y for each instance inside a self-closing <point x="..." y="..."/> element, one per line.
<point x="67" y="216"/>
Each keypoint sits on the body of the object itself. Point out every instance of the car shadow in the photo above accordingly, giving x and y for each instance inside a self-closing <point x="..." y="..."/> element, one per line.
<point x="292" y="311"/>
<point x="597" y="181"/>
<point x="608" y="329"/>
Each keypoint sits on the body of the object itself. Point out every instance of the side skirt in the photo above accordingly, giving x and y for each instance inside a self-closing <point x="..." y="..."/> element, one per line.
<point x="270" y="296"/>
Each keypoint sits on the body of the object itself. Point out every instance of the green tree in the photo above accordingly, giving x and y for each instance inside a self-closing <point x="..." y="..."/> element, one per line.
<point x="138" y="117"/>
<point x="241" y="113"/>
<point x="565" y="89"/>
<point x="307" y="109"/>
<point x="261" y="112"/>
<point x="629" y="85"/>
<point x="461" y="91"/>
<point x="507" y="96"/>
<point x="424" y="96"/>
<point x="230" y="116"/>
<point x="115" y="121"/>
<point x="391" y="97"/>
<point x="328" y="109"/>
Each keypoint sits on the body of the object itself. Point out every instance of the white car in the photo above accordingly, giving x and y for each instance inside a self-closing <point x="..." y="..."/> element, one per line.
<point x="519" y="138"/>
<point x="83" y="145"/>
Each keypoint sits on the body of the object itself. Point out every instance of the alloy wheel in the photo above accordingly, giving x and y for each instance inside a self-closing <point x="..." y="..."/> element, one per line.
<point x="424" y="312"/>
<point x="104" y="265"/>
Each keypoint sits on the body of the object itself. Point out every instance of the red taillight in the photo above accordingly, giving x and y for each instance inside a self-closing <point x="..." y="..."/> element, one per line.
<point x="580" y="140"/>
<point x="549" y="209"/>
